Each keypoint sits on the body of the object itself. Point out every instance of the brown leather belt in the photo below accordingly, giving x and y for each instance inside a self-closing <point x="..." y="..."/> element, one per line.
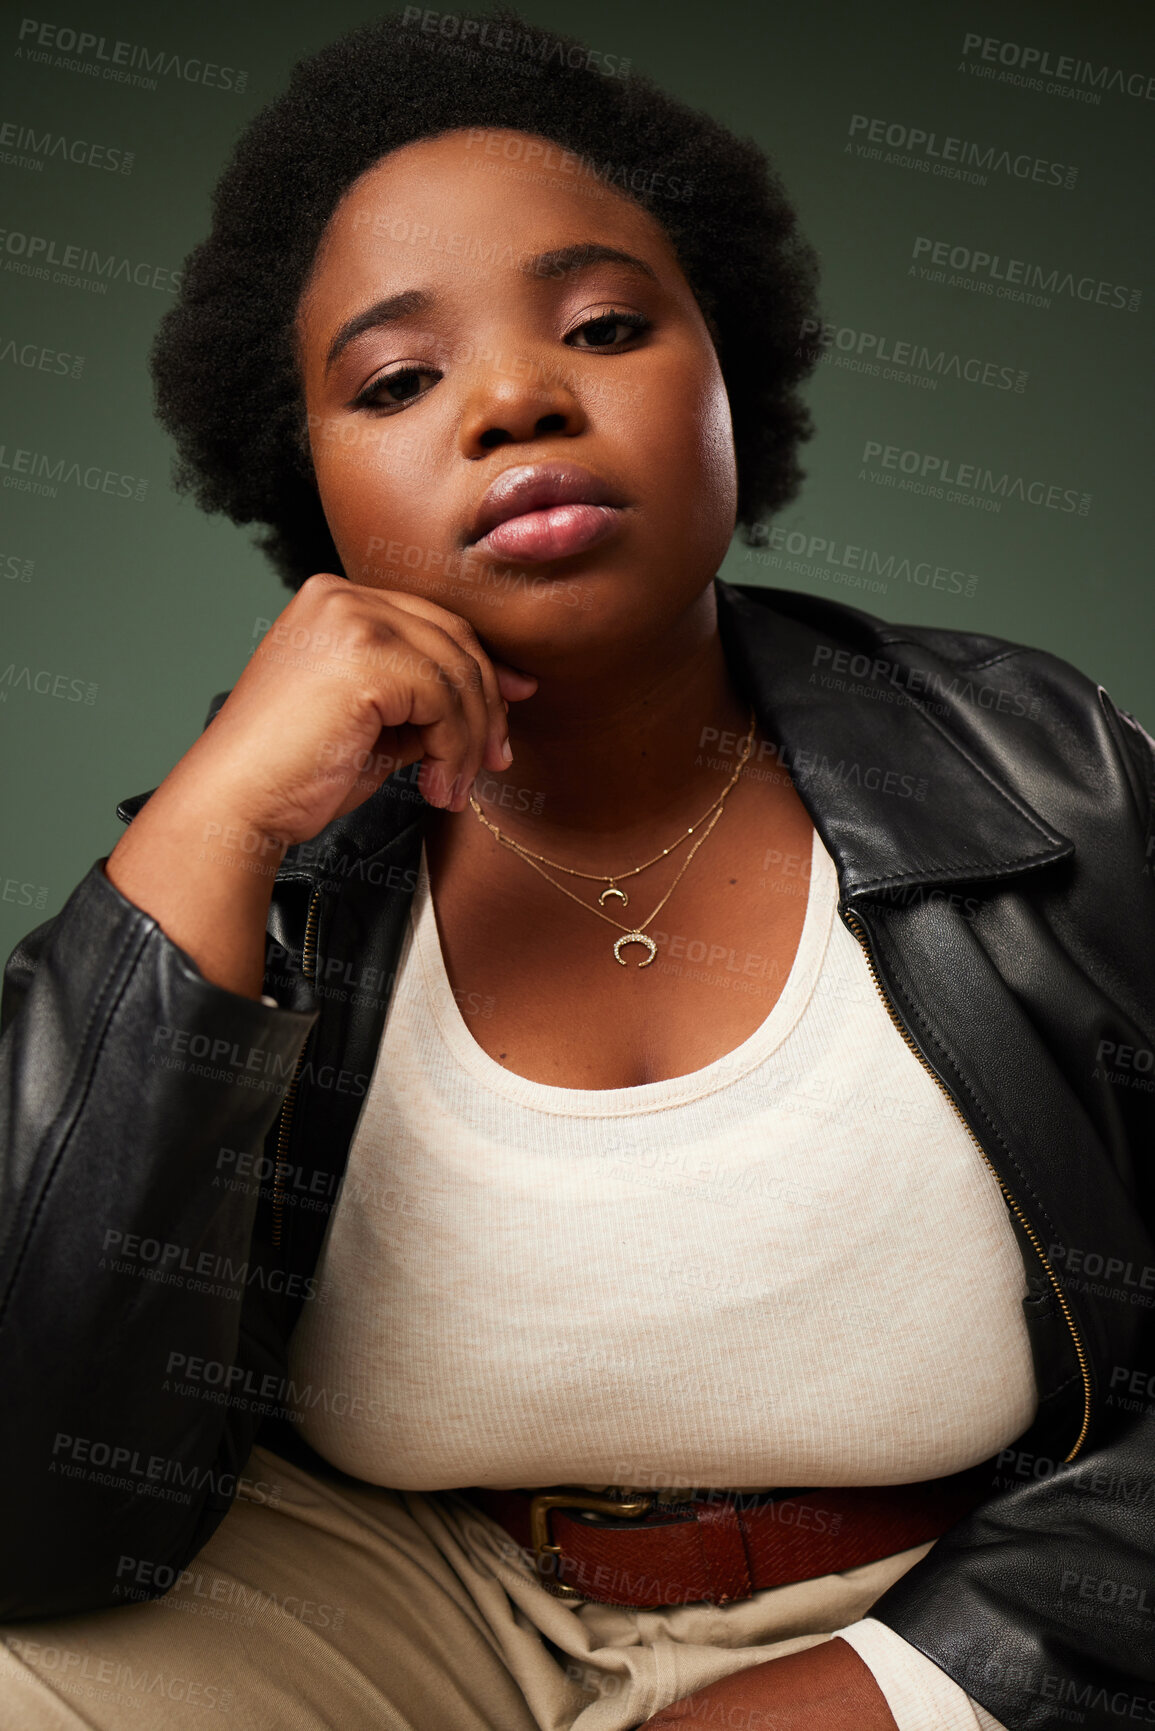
<point x="633" y="1548"/>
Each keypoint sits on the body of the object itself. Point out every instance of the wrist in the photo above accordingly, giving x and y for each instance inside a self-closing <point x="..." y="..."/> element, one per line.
<point x="201" y="827"/>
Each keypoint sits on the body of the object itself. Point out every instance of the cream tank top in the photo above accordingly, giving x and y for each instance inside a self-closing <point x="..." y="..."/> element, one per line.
<point x="790" y="1267"/>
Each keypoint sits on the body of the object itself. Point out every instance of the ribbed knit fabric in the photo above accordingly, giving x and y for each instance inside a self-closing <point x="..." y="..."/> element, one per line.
<point x="790" y="1267"/>
<point x="919" y="1695"/>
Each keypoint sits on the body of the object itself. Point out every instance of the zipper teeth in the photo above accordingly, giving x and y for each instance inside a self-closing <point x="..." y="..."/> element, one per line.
<point x="860" y="933"/>
<point x="308" y="960"/>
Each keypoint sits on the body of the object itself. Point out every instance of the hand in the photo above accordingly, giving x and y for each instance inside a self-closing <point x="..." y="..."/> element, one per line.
<point x="349" y="684"/>
<point x="823" y="1688"/>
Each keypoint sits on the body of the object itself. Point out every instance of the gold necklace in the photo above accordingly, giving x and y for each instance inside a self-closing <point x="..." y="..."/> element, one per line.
<point x="613" y="879"/>
<point x="631" y="934"/>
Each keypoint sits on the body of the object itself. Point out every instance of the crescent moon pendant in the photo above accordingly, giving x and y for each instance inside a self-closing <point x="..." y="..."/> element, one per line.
<point x="613" y="890"/>
<point x="635" y="938"/>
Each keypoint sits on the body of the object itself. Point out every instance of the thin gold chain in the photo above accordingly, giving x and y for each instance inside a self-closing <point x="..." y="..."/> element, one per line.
<point x="617" y="877"/>
<point x="642" y="924"/>
<point x="531" y="859"/>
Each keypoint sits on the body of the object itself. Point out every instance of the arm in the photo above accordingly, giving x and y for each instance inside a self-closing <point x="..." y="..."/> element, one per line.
<point x="136" y="1050"/>
<point x="823" y="1688"/>
<point x="920" y="1696"/>
<point x="105" y="1141"/>
<point x="833" y="1687"/>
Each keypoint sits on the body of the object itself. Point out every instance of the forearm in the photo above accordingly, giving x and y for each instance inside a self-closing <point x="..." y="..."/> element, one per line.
<point x="204" y="874"/>
<point x="823" y="1688"/>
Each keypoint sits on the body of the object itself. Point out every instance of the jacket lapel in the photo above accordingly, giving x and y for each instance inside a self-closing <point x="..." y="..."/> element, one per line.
<point x="894" y="792"/>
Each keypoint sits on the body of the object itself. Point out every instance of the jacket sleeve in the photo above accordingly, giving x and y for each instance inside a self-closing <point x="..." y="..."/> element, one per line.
<point x="128" y="1086"/>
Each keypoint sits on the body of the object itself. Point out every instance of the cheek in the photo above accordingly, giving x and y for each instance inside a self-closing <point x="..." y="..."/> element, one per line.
<point x="691" y="439"/>
<point x="716" y="437"/>
<point x="371" y="479"/>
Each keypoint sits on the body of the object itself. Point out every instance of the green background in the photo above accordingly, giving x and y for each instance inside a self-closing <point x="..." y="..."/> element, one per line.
<point x="158" y="606"/>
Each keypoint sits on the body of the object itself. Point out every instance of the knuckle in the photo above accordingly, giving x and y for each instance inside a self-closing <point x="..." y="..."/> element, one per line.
<point x="467" y="675"/>
<point x="321" y="584"/>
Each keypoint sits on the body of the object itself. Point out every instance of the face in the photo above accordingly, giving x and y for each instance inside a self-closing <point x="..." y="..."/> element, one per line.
<point x="515" y="406"/>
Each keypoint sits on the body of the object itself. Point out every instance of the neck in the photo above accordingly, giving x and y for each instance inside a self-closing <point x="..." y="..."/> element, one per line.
<point x="613" y="763"/>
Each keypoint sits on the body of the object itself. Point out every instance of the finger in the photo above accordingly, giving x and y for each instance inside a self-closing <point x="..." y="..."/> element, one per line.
<point x="497" y="752"/>
<point x="395" y="749"/>
<point x="514" y="684"/>
<point x="502" y="684"/>
<point x="448" y="704"/>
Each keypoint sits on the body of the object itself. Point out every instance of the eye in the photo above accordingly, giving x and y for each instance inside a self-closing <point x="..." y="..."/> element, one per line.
<point x="601" y="330"/>
<point x="394" y="390"/>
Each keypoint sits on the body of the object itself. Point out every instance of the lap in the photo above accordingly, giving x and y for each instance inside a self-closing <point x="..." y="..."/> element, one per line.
<point x="326" y="1606"/>
<point x="335" y="1603"/>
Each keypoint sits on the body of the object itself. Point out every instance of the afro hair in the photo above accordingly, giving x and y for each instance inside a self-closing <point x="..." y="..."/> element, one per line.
<point x="227" y="382"/>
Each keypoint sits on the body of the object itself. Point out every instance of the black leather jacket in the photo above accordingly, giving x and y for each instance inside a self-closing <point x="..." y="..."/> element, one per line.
<point x="989" y="812"/>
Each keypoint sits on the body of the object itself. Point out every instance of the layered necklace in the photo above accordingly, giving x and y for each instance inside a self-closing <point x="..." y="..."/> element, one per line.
<point x="612" y="881"/>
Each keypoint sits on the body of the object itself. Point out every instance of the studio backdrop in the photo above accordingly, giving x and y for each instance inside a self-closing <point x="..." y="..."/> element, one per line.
<point x="976" y="176"/>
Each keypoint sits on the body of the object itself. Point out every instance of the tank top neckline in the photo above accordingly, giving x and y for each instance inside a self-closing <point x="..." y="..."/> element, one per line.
<point x="722" y="1072"/>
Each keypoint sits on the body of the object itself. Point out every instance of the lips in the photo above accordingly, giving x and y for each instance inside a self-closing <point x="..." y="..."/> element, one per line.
<point x="540" y="511"/>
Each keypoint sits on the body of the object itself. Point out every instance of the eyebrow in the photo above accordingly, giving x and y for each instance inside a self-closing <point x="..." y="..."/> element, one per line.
<point x="559" y="261"/>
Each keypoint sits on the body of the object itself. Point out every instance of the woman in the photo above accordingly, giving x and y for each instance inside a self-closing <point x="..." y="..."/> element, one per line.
<point x="502" y="1250"/>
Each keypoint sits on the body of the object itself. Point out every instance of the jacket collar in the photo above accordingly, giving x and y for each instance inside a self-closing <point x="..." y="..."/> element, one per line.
<point x="900" y="797"/>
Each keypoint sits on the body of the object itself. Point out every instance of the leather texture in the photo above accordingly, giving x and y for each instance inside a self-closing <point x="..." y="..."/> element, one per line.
<point x="722" y="1548"/>
<point x="989" y="812"/>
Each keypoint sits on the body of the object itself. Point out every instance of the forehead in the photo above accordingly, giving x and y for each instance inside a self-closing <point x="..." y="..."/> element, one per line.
<point x="471" y="204"/>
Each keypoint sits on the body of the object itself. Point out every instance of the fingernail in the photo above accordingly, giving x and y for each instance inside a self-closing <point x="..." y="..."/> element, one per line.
<point x="506" y="751"/>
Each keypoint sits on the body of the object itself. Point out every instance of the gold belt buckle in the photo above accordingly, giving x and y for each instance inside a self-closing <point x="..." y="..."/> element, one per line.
<point x="548" y="1574"/>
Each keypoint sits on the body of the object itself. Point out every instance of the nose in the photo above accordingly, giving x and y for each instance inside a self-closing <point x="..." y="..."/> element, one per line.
<point x="513" y="399"/>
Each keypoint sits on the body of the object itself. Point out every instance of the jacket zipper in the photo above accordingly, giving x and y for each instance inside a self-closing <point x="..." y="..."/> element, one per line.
<point x="859" y="932"/>
<point x="308" y="966"/>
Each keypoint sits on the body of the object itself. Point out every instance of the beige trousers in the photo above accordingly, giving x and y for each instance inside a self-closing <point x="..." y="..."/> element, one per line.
<point x="321" y="1602"/>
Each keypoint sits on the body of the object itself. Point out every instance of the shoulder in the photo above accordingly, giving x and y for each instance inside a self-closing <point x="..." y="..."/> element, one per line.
<point x="1034" y="718"/>
<point x="849" y="631"/>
